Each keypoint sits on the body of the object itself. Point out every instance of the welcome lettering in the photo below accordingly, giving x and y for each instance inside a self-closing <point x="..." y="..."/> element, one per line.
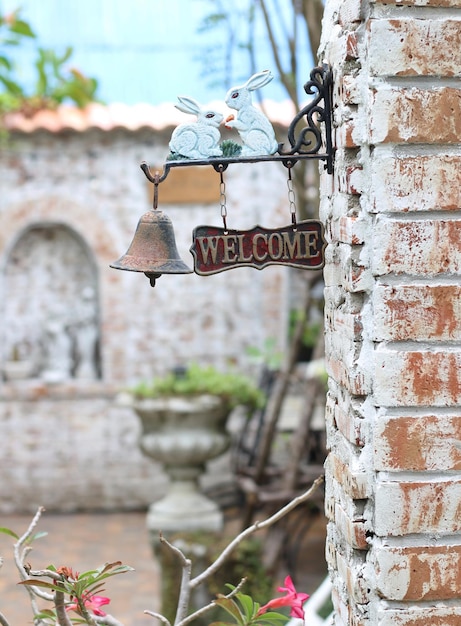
<point x="216" y="249"/>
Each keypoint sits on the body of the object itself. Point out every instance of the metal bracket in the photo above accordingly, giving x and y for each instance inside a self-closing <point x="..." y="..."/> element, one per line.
<point x="305" y="143"/>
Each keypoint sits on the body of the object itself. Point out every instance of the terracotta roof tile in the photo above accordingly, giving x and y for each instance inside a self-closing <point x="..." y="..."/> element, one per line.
<point x="117" y="115"/>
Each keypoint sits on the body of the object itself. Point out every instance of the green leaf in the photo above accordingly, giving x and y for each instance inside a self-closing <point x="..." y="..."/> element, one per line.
<point x="40" y="583"/>
<point x="45" y="613"/>
<point x="12" y="87"/>
<point x="105" y="571"/>
<point x="22" y="28"/>
<point x="39" y="535"/>
<point x="5" y="62"/>
<point x="42" y="80"/>
<point x="7" y="531"/>
<point x="67" y="54"/>
<point x="249" y="606"/>
<point x="231" y="607"/>
<point x="273" y="616"/>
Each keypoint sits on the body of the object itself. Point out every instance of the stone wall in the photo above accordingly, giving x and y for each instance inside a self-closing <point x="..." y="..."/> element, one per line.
<point x="392" y="277"/>
<point x="69" y="207"/>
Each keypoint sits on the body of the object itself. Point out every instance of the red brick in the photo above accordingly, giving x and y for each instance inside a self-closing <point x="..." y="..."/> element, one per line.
<point x="419" y="443"/>
<point x="353" y="530"/>
<point x="346" y="611"/>
<point x="348" y="324"/>
<point x="355" y="482"/>
<point x="352" y="180"/>
<point x="348" y="229"/>
<point x="417" y="248"/>
<point x="344" y="267"/>
<point x="350" y="12"/>
<point x="348" y="89"/>
<point x="350" y="425"/>
<point x="414" y="573"/>
<point x="403" y="508"/>
<point x="352" y="574"/>
<point x="409" y="47"/>
<point x="422" y="183"/>
<point x="421" y="3"/>
<point x="420" y="616"/>
<point x="417" y="378"/>
<point x="349" y="376"/>
<point x="346" y="135"/>
<point x="417" y="312"/>
<point x="352" y="49"/>
<point x="330" y="554"/>
<point x="401" y="116"/>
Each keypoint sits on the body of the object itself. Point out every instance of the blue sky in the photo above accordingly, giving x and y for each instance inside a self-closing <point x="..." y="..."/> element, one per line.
<point x="143" y="50"/>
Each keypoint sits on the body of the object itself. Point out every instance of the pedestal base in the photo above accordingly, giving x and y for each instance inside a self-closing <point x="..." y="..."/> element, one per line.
<point x="183" y="509"/>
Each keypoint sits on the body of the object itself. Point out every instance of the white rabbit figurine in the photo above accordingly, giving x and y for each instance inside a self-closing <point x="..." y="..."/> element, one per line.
<point x="253" y="126"/>
<point x="200" y="139"/>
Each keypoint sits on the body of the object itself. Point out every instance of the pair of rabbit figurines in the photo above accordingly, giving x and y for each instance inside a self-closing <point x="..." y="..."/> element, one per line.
<point x="200" y="139"/>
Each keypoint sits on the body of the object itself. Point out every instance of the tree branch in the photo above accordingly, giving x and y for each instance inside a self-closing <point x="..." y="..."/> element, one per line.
<point x="20" y="551"/>
<point x="284" y="76"/>
<point x="158" y="616"/>
<point x="60" y="605"/>
<point x="251" y="529"/>
<point x="188" y="583"/>
<point x="212" y="604"/>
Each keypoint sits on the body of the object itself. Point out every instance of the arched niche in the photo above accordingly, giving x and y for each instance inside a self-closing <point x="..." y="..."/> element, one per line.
<point x="50" y="306"/>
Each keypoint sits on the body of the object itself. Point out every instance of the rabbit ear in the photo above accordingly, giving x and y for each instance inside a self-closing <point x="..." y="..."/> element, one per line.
<point x="188" y="105"/>
<point x="259" y="80"/>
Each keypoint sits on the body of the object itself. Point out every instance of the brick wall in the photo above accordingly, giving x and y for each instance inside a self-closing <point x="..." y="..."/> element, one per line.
<point x="393" y="307"/>
<point x="67" y="444"/>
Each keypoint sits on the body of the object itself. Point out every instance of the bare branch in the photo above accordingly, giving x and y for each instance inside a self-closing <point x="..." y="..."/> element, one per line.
<point x="61" y="612"/>
<point x="284" y="76"/>
<point x="312" y="11"/>
<point x="158" y="616"/>
<point x="21" y="550"/>
<point x="212" y="604"/>
<point x="251" y="529"/>
<point x="185" y="587"/>
<point x="48" y="573"/>
<point x="184" y="560"/>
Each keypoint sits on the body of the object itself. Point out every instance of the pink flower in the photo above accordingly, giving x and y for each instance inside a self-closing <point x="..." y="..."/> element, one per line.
<point x="291" y="598"/>
<point x="92" y="603"/>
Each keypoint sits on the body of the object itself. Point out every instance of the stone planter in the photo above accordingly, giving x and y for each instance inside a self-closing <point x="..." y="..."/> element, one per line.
<point x="183" y="433"/>
<point x="18" y="370"/>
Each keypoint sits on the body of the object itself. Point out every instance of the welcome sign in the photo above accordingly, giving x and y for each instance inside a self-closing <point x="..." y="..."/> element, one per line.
<point x="218" y="249"/>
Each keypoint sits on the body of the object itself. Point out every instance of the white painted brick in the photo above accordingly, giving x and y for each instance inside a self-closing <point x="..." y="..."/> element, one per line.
<point x="397" y="159"/>
<point x="399" y="47"/>
<point x="403" y="508"/>
<point x="418" y="183"/>
<point x="413" y="573"/>
<point x="417" y="378"/>
<point x="416" y="247"/>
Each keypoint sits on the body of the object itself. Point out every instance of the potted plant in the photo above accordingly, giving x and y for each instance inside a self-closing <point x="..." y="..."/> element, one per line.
<point x="183" y="420"/>
<point x="19" y="366"/>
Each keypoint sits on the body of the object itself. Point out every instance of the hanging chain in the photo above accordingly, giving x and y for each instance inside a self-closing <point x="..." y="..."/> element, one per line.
<point x="291" y="197"/>
<point x="222" y="198"/>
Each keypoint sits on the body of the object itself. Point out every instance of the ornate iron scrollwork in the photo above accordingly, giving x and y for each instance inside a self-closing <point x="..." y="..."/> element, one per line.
<point x="309" y="140"/>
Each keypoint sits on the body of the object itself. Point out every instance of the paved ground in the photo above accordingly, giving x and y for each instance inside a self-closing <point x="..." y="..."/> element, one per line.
<point x="84" y="541"/>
